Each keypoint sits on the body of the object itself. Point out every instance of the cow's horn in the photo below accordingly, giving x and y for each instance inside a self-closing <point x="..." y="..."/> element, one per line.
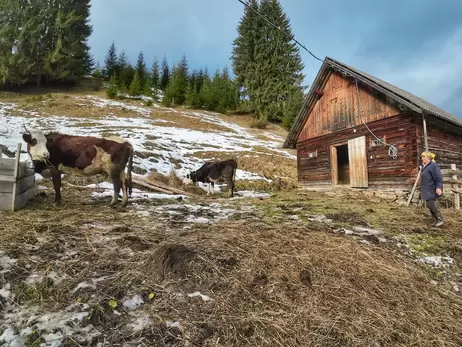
<point x="27" y="131"/>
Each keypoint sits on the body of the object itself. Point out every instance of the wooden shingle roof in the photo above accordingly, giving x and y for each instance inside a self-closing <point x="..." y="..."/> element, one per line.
<point x="399" y="95"/>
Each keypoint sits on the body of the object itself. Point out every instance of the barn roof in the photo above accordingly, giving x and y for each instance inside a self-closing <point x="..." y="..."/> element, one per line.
<point x="397" y="94"/>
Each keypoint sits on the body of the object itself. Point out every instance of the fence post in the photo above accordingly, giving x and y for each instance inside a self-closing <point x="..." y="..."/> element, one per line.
<point x="15" y="175"/>
<point x="455" y="188"/>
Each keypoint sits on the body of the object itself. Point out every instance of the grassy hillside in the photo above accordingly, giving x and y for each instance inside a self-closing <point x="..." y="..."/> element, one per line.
<point x="270" y="267"/>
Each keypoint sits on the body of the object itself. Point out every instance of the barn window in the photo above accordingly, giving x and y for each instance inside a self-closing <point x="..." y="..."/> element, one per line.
<point x="377" y="143"/>
<point x="313" y="154"/>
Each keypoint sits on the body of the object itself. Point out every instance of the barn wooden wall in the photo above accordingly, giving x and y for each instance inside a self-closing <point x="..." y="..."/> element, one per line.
<point x="383" y="171"/>
<point x="337" y="108"/>
<point x="444" y="139"/>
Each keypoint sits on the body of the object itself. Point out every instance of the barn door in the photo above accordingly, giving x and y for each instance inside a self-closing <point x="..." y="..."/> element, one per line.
<point x="358" y="162"/>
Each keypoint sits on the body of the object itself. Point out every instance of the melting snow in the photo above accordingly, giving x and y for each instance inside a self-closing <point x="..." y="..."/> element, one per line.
<point x="133" y="303"/>
<point x="202" y="296"/>
<point x="437" y="261"/>
<point x="19" y="322"/>
<point x="171" y="144"/>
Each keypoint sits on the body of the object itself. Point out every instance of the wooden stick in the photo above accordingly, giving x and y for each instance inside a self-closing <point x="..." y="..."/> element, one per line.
<point x="159" y="185"/>
<point x="15" y="175"/>
<point x="413" y="188"/>
<point x="455" y="187"/>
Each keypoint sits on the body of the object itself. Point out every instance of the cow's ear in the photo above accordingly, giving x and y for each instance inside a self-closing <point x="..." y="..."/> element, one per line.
<point x="27" y="138"/>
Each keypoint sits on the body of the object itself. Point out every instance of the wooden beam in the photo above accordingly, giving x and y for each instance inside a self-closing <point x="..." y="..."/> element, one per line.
<point x="411" y="196"/>
<point x="455" y="186"/>
<point x="5" y="178"/>
<point x="15" y="175"/>
<point x="425" y="131"/>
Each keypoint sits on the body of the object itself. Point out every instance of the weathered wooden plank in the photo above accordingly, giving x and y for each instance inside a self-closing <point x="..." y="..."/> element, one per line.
<point x="455" y="187"/>
<point x="24" y="171"/>
<point x="5" y="178"/>
<point x="20" y="202"/>
<point x="22" y="185"/>
<point x="451" y="172"/>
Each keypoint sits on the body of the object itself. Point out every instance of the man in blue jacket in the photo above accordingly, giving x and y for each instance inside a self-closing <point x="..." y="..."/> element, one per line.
<point x="431" y="186"/>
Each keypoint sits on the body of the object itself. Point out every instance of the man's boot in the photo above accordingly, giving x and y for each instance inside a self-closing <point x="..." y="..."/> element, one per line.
<point x="439" y="219"/>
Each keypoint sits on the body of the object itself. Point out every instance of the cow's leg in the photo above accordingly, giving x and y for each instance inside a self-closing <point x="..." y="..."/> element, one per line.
<point x="56" y="178"/>
<point x="230" y="184"/>
<point x="124" y="189"/>
<point x="213" y="187"/>
<point x="116" y="181"/>
<point x="208" y="188"/>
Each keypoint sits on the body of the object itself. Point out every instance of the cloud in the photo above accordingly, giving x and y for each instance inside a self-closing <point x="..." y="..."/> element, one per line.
<point x="433" y="72"/>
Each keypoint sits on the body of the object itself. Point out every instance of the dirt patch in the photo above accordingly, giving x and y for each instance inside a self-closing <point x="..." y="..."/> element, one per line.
<point x="134" y="242"/>
<point x="348" y="217"/>
<point x="173" y="260"/>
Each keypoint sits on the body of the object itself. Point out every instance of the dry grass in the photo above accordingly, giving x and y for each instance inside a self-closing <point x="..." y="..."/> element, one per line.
<point x="281" y="169"/>
<point x="272" y="283"/>
<point x="187" y="122"/>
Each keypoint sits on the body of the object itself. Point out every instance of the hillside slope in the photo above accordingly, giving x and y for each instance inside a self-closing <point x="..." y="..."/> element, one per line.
<point x="273" y="268"/>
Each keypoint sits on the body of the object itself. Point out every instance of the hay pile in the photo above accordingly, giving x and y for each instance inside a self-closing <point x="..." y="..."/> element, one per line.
<point x="235" y="283"/>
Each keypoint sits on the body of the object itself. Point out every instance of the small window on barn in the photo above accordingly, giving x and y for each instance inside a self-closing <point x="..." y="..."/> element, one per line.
<point x="313" y="154"/>
<point x="377" y="143"/>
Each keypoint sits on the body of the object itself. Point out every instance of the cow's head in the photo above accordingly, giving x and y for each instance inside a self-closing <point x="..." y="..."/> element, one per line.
<point x="36" y="145"/>
<point x="190" y="178"/>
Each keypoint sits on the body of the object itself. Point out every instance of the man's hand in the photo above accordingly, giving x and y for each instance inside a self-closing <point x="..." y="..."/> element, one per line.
<point x="438" y="191"/>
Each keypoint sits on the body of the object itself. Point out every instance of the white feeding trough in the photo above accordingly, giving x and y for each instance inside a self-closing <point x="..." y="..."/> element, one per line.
<point x="17" y="181"/>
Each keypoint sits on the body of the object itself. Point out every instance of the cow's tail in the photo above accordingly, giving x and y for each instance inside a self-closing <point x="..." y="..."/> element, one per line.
<point x="129" y="171"/>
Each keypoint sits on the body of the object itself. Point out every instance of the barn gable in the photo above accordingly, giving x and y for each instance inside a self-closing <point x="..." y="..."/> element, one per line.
<point x="392" y="96"/>
<point x="336" y="107"/>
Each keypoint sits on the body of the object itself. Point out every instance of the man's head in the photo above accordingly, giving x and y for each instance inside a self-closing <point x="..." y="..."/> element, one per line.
<point x="36" y="145"/>
<point x="427" y="157"/>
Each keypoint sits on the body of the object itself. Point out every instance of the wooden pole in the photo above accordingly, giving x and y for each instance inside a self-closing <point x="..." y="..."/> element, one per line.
<point x="413" y="188"/>
<point x="455" y="186"/>
<point x="15" y="175"/>
<point x="425" y="132"/>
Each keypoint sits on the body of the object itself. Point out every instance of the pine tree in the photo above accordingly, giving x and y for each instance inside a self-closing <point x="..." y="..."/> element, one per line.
<point x="267" y="64"/>
<point x="125" y="72"/>
<point x="110" y="62"/>
<point x="244" y="46"/>
<point x="136" y="86"/>
<point x="165" y="76"/>
<point x="155" y="76"/>
<point x="141" y="69"/>
<point x="88" y="63"/>
<point x="181" y="81"/>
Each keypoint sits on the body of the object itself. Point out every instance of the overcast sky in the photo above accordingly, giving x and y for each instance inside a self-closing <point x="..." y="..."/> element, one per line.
<point x="414" y="44"/>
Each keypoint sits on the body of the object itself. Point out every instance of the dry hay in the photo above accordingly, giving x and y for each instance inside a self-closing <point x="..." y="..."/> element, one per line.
<point x="173" y="180"/>
<point x="270" y="284"/>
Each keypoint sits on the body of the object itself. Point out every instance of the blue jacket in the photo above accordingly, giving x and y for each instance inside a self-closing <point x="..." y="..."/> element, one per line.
<point x="431" y="179"/>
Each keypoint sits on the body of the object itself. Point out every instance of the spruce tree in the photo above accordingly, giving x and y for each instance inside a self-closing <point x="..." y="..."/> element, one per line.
<point x="267" y="64"/>
<point x="141" y="69"/>
<point x="110" y="62"/>
<point x="155" y="76"/>
<point x="165" y="75"/>
<point x="244" y="46"/>
<point x="135" y="86"/>
<point x="125" y="72"/>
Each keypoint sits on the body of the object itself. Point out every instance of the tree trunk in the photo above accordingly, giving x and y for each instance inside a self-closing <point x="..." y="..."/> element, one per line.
<point x="39" y="78"/>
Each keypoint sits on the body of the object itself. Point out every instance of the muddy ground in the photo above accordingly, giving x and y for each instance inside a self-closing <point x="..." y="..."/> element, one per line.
<point x="294" y="269"/>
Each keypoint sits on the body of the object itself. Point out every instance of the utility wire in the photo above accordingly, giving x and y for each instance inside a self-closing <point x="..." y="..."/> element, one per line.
<point x="393" y="151"/>
<point x="278" y="28"/>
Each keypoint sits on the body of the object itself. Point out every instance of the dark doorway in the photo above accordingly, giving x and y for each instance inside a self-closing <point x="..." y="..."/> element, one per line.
<point x="343" y="163"/>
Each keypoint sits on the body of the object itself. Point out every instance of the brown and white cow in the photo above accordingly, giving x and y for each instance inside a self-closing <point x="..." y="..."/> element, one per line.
<point x="215" y="171"/>
<point x="82" y="156"/>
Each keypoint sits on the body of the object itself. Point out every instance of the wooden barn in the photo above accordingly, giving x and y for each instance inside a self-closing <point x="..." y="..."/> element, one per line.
<point x="356" y="130"/>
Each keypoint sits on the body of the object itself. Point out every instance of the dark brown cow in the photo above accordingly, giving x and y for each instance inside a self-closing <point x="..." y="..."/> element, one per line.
<point x="215" y="171"/>
<point x="83" y="156"/>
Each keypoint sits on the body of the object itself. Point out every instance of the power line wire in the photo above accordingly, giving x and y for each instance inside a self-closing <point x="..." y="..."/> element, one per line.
<point x="278" y="28"/>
